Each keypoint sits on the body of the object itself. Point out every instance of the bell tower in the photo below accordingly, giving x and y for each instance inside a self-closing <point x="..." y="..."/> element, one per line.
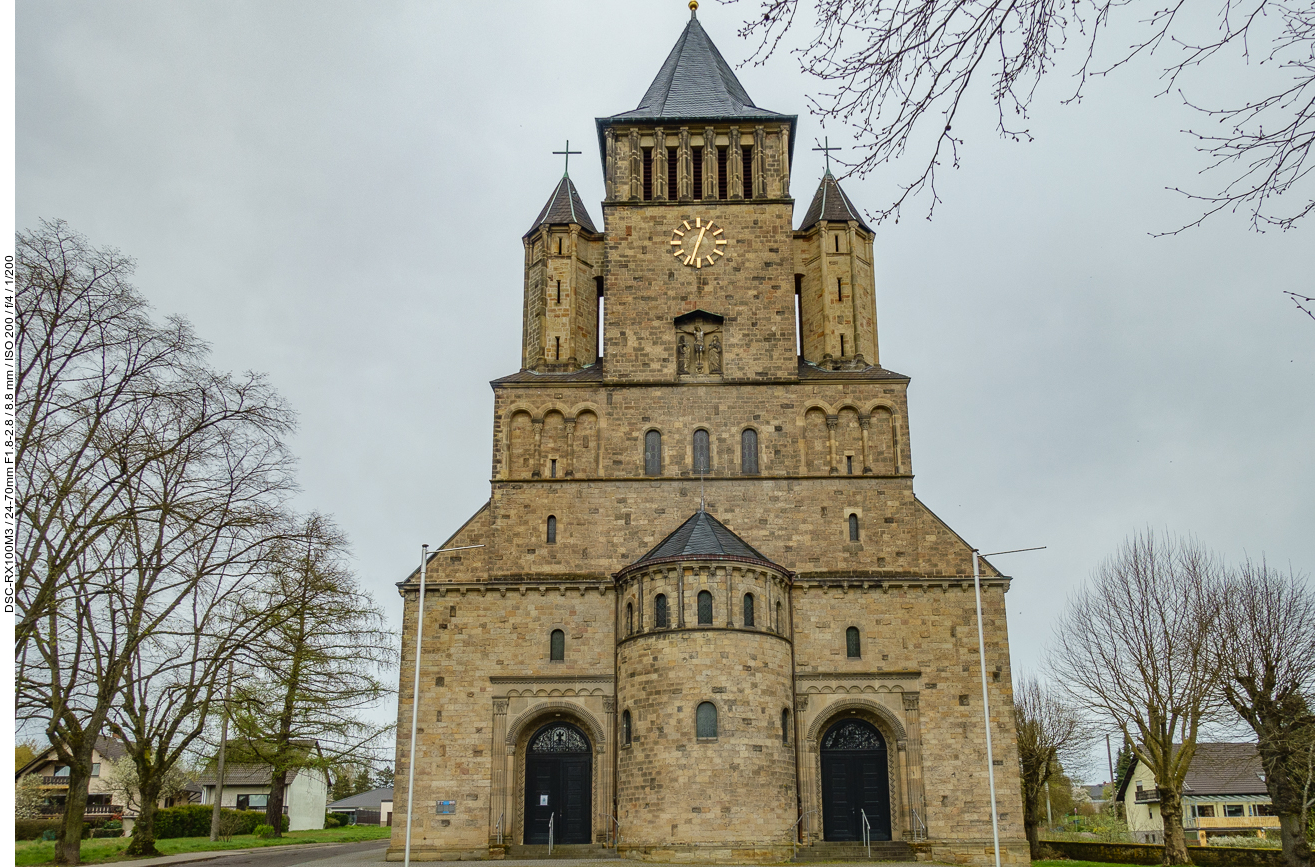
<point x="836" y="282"/>
<point x="563" y="284"/>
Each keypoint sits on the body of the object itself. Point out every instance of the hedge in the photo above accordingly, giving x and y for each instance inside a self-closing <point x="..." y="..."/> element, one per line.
<point x="31" y="829"/>
<point x="193" y="820"/>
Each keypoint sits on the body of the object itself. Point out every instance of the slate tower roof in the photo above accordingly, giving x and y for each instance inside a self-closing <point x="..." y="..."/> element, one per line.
<point x="701" y="537"/>
<point x="564" y="206"/>
<point x="831" y="204"/>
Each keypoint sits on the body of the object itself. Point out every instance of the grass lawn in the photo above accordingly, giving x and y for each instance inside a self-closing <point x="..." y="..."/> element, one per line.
<point x="102" y="850"/>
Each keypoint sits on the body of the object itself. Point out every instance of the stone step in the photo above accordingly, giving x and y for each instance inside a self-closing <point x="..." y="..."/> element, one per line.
<point x="578" y="851"/>
<point x="883" y="850"/>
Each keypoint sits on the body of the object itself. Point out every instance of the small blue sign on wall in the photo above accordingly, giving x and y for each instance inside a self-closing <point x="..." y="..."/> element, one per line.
<point x="447" y="806"/>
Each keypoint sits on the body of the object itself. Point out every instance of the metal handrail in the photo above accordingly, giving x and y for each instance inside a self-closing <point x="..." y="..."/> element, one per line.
<point x="867" y="832"/>
<point x="501" y="816"/>
<point x="616" y="841"/>
<point x="919" y="828"/>
<point x="551" y="816"/>
<point x="794" y="834"/>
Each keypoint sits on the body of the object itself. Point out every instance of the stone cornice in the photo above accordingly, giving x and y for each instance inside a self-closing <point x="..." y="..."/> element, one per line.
<point x="859" y="675"/>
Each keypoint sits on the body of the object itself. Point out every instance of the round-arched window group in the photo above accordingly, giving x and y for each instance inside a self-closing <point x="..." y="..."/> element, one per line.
<point x="701" y="451"/>
<point x="705" y="724"/>
<point x="704" y="607"/>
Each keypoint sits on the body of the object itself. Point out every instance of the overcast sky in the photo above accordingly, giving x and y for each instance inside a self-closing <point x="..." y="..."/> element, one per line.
<point x="334" y="194"/>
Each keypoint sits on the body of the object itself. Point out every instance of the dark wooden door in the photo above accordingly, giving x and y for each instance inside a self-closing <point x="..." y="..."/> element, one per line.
<point x="558" y="774"/>
<point x="854" y="782"/>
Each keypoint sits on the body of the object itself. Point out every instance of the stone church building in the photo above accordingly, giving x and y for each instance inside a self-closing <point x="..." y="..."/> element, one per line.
<point x="710" y="618"/>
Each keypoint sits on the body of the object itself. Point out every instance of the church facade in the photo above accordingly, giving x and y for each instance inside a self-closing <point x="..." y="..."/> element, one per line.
<point x="710" y="620"/>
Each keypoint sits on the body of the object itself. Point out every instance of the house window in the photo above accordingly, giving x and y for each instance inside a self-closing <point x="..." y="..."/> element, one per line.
<point x="1202" y="811"/>
<point x="660" y="618"/>
<point x="252" y="802"/>
<point x="705" y="608"/>
<point x="748" y="609"/>
<point x="1265" y="810"/>
<point x="785" y="725"/>
<point x="95" y="769"/>
<point x="552" y="524"/>
<point x="630" y="618"/>
<point x="1233" y="811"/>
<point x="557" y="646"/>
<point x="706" y="720"/>
<point x="853" y="527"/>
<point x="652" y="453"/>
<point x="749" y="452"/>
<point x="701" y="448"/>
<point x="851" y="643"/>
<point x="625" y="727"/>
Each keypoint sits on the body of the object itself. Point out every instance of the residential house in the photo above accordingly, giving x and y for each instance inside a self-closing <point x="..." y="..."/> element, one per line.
<point x="247" y="786"/>
<point x="1223" y="795"/>
<point x="55" y="779"/>
<point x="365" y="808"/>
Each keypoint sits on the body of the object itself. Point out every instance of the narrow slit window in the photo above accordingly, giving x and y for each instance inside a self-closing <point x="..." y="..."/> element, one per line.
<point x="748" y="609"/>
<point x="837" y="247"/>
<point x="557" y="342"/>
<point x="660" y="618"/>
<point x="746" y="154"/>
<point x="705" y="608"/>
<point x="630" y="618"/>
<point x="672" y="163"/>
<point x="706" y="720"/>
<point x="849" y="464"/>
<point x="851" y="643"/>
<point x="552" y="520"/>
<point x="625" y="727"/>
<point x="785" y="725"/>
<point x="648" y="174"/>
<point x="559" y="291"/>
<point x="840" y="292"/>
<point x="652" y="453"/>
<point x="702" y="446"/>
<point x="559" y="246"/>
<point x="778" y="618"/>
<point x="557" y="646"/>
<point x="799" y="314"/>
<point x="842" y="346"/>
<point x="552" y="468"/>
<point x="697" y="180"/>
<point x="721" y="174"/>
<point x="749" y="452"/>
<point x="853" y="527"/>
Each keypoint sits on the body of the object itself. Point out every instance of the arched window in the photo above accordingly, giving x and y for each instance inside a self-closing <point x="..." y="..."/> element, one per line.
<point x="778" y="617"/>
<point x="652" y="453"/>
<point x="630" y="618"/>
<point x="702" y="459"/>
<point x="748" y="609"/>
<point x="785" y="725"/>
<point x="660" y="611"/>
<point x="625" y="727"/>
<point x="557" y="646"/>
<point x="705" y="608"/>
<point x="705" y="720"/>
<point x="851" y="643"/>
<point x="853" y="527"/>
<point x="552" y="529"/>
<point x="749" y="452"/>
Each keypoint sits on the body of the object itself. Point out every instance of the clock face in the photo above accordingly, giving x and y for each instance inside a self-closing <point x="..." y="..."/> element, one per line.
<point x="698" y="244"/>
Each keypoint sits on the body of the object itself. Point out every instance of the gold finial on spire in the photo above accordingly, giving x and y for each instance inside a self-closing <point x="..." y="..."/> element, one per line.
<point x="693" y="7"/>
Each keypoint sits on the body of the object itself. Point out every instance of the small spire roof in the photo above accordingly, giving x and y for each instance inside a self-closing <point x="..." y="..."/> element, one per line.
<point x="831" y="204"/>
<point x="695" y="81"/>
<point x="564" y="206"/>
<point x="701" y="537"/>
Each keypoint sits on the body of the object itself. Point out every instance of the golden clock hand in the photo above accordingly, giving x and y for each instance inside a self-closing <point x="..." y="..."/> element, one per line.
<point x="698" y="243"/>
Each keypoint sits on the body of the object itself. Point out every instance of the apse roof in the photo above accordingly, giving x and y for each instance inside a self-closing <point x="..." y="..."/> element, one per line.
<point x="695" y="81"/>
<point x="831" y="204"/>
<point x="564" y="206"/>
<point x="702" y="537"/>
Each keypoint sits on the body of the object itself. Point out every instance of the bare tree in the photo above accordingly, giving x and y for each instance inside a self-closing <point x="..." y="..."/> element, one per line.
<point x="133" y="457"/>
<point x="1052" y="734"/>
<point x="1134" y="646"/>
<point x="1267" y="635"/>
<point x="319" y="666"/>
<point x="900" y="72"/>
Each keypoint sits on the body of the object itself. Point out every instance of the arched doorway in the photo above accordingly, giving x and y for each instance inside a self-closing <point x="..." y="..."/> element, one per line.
<point x="855" y="781"/>
<point x="558" y="774"/>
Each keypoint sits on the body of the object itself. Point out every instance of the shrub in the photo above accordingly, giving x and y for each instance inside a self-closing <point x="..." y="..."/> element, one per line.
<point x="107" y="832"/>
<point x="332" y="821"/>
<point x="193" y="820"/>
<point x="35" y="829"/>
<point x="264" y="831"/>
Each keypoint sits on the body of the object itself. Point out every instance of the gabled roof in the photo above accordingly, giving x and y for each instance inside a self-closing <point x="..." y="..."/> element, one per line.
<point x="702" y="537"/>
<point x="1216" y="769"/>
<point x="564" y="206"/>
<point x="831" y="204"/>
<point x="370" y="800"/>
<point x="108" y="748"/>
<point x="695" y="81"/>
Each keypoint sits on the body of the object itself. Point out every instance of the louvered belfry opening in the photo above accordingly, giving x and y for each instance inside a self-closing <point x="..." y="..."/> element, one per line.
<point x="648" y="174"/>
<point x="722" y="186"/>
<point x="697" y="154"/>
<point x="746" y="153"/>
